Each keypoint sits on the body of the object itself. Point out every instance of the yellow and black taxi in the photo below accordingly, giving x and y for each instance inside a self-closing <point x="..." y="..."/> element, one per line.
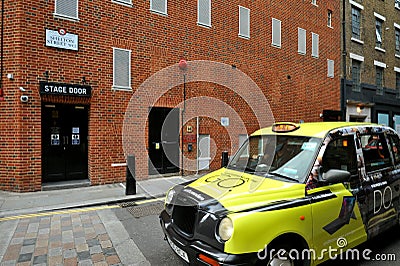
<point x="293" y="194"/>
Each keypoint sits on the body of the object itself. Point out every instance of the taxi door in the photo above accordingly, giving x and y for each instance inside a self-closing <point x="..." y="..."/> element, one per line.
<point x="337" y="222"/>
<point x="381" y="181"/>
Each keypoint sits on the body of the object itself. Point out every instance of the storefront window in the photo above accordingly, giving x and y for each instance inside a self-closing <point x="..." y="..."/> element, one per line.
<point x="396" y="126"/>
<point x="383" y="119"/>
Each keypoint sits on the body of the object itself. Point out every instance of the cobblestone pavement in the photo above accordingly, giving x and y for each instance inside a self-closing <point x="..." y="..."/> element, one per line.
<point x="61" y="239"/>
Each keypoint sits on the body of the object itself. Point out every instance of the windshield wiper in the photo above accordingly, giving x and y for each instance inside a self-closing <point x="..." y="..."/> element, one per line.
<point x="283" y="176"/>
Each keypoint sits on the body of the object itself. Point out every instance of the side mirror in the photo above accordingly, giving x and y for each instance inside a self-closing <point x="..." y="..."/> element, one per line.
<point x="335" y="176"/>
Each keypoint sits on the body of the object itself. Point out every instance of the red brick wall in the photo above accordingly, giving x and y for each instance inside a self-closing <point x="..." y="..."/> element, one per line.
<point x="156" y="42"/>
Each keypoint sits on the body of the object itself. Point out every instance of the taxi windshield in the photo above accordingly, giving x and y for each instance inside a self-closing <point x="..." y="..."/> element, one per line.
<point x="285" y="158"/>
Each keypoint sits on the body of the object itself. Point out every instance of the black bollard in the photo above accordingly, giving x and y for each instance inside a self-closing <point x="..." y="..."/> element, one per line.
<point x="130" y="176"/>
<point x="225" y="159"/>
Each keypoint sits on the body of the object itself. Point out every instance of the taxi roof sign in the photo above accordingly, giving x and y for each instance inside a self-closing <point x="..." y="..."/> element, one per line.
<point x="284" y="127"/>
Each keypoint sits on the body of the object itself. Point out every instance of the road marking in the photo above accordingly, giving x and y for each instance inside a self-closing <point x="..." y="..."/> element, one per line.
<point x="25" y="216"/>
<point x="149" y="201"/>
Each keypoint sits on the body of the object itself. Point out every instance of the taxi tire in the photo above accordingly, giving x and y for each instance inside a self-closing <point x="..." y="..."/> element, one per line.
<point x="273" y="261"/>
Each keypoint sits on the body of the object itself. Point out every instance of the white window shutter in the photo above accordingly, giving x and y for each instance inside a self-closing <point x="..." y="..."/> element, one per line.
<point x="315" y="45"/>
<point x="67" y="8"/>
<point x="244" y="22"/>
<point x="331" y="68"/>
<point x="159" y="6"/>
<point x="276" y="32"/>
<point x="302" y="48"/>
<point x="204" y="12"/>
<point x="122" y="68"/>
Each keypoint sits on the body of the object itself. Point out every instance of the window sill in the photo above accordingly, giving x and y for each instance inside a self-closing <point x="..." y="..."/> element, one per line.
<point x="204" y="25"/>
<point x="55" y="15"/>
<point x="122" y="3"/>
<point x="159" y="13"/>
<point x="330" y="27"/>
<point x="356" y="40"/>
<point x="380" y="49"/>
<point x="397" y="55"/>
<point x="116" y="88"/>
<point x="244" y="36"/>
<point x="276" y="46"/>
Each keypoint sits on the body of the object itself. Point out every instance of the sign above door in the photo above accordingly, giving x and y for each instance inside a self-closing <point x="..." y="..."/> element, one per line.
<point x="54" y="88"/>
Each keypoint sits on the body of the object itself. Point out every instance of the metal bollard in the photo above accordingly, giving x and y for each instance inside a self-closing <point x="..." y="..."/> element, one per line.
<point x="225" y="159"/>
<point x="130" y="176"/>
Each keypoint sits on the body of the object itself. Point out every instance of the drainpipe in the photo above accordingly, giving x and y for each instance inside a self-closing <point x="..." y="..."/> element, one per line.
<point x="197" y="145"/>
<point x="2" y="52"/>
<point x="344" y="57"/>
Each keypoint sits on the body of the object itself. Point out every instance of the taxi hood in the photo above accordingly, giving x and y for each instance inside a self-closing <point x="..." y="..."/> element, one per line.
<point x="234" y="191"/>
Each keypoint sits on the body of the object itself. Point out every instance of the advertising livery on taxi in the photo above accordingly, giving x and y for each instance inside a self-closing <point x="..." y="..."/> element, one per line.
<point x="291" y="187"/>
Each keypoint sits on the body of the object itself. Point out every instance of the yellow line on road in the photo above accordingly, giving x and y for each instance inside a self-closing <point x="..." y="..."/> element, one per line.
<point x="25" y="216"/>
<point x="149" y="201"/>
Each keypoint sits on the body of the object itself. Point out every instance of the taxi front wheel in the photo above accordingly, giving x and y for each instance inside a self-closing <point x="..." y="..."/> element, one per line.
<point x="282" y="254"/>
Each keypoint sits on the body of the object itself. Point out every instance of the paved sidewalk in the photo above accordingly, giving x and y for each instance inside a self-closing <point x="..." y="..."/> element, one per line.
<point x="12" y="203"/>
<point x="81" y="236"/>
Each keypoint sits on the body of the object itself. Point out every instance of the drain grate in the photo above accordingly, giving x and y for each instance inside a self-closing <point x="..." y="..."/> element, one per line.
<point x="146" y="210"/>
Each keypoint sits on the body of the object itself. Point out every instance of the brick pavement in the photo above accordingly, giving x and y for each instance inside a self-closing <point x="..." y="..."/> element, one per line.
<point x="61" y="239"/>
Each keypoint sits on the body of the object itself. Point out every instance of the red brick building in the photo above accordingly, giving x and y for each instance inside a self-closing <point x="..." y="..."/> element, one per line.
<point x="69" y="69"/>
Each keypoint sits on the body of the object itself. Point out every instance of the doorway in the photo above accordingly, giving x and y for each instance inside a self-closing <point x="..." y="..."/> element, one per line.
<point x="64" y="142"/>
<point x="163" y="140"/>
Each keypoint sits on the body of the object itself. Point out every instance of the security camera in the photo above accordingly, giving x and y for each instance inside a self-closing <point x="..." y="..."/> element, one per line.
<point x="22" y="89"/>
<point x="24" y="98"/>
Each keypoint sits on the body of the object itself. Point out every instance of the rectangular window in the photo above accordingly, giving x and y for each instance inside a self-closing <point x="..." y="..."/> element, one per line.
<point x="375" y="151"/>
<point x="397" y="43"/>
<point x="301" y="45"/>
<point x="331" y="68"/>
<point x="383" y="119"/>
<point x="159" y="6"/>
<point x="204" y="12"/>
<point x="66" y="8"/>
<point x="314" y="2"/>
<point x="395" y="145"/>
<point x="355" y="23"/>
<point x="398" y="85"/>
<point x="244" y="22"/>
<point x="121" y="69"/>
<point x="379" y="79"/>
<point x="276" y="32"/>
<point x="329" y="18"/>
<point x="315" y="45"/>
<point x="378" y="31"/>
<point x="397" y="4"/>
<point x="356" y="75"/>
<point x="340" y="154"/>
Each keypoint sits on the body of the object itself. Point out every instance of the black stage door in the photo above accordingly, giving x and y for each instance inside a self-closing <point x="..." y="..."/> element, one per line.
<point x="64" y="142"/>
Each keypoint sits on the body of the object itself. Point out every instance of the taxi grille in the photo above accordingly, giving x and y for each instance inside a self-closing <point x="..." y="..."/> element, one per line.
<point x="184" y="218"/>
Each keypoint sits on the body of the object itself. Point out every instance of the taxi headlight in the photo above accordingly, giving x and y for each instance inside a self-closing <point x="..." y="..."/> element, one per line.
<point x="170" y="196"/>
<point x="225" y="229"/>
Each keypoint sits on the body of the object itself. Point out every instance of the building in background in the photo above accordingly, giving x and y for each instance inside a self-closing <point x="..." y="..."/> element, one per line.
<point x="69" y="69"/>
<point x="371" y="69"/>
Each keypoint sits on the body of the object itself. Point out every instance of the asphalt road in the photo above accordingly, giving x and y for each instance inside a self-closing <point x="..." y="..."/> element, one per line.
<point x="146" y="232"/>
<point x="143" y="227"/>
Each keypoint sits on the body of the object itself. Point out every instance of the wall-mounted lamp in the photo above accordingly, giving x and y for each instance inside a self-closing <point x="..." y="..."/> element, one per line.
<point x="10" y="76"/>
<point x="46" y="75"/>
<point x="359" y="109"/>
<point x="83" y="80"/>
